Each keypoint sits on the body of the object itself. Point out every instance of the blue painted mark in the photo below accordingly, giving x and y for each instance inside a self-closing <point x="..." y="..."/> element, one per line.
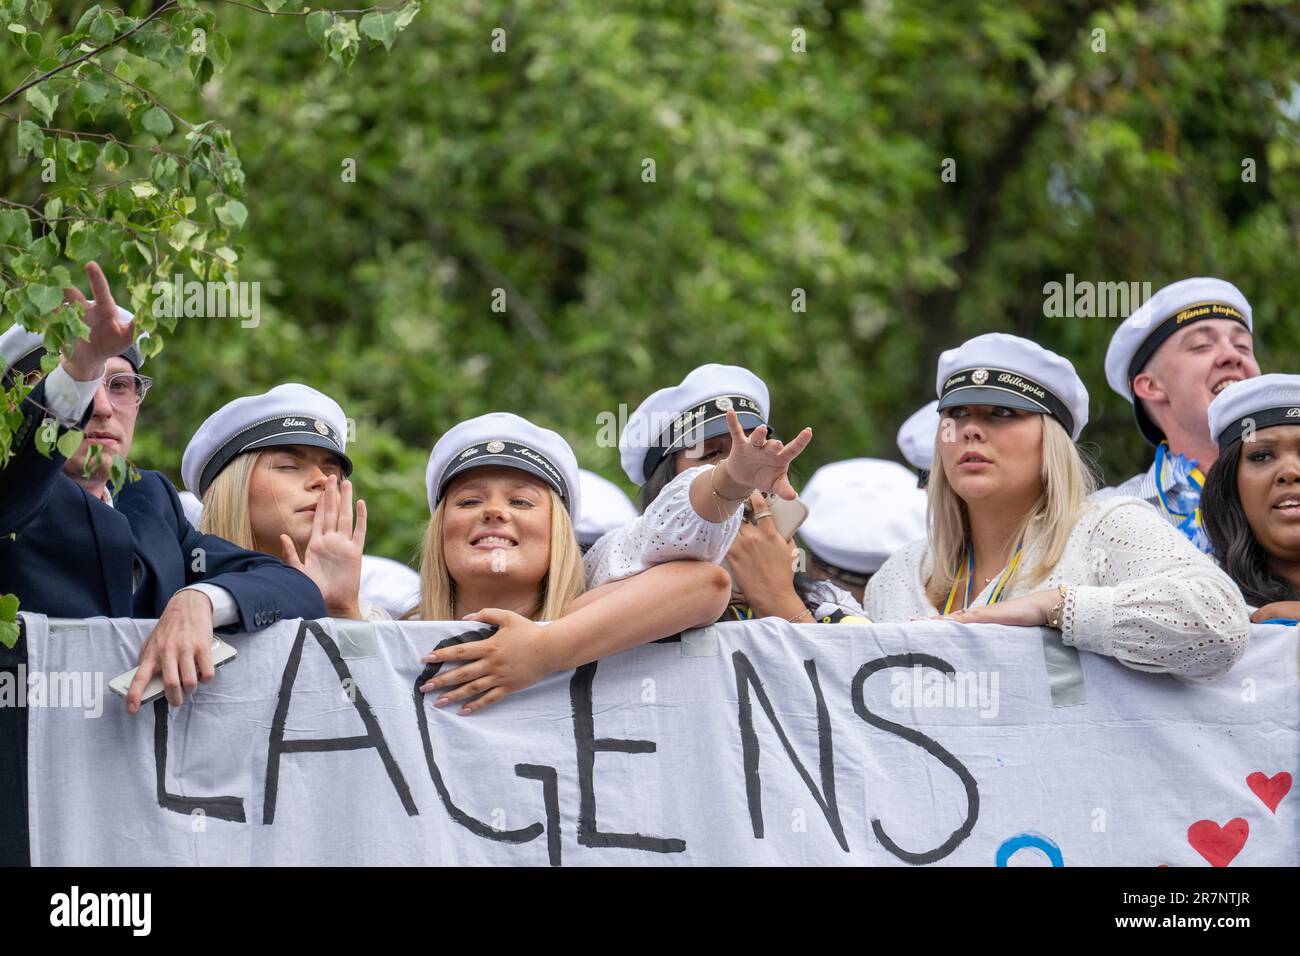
<point x="1020" y="841"/>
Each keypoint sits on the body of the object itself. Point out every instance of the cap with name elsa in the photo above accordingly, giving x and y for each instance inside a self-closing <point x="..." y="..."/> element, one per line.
<point x="1252" y="405"/>
<point x="508" y="441"/>
<point x="1172" y="308"/>
<point x="1011" y="372"/>
<point x="289" y="414"/>
<point x="684" y="415"/>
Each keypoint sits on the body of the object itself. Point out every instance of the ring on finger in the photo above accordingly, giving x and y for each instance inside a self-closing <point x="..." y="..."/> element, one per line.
<point x="762" y="514"/>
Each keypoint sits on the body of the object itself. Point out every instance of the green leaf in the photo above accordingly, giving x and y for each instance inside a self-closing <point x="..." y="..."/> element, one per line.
<point x="83" y="155"/>
<point x="8" y="634"/>
<point x="52" y="208"/>
<point x="203" y="70"/>
<point x="233" y="213"/>
<point x="143" y="190"/>
<point x="32" y="45"/>
<point x="115" y="157"/>
<point x="90" y="97"/>
<point x="30" y="139"/>
<point x="273" y="5"/>
<point x="69" y="442"/>
<point x="344" y="41"/>
<point x="117" y="471"/>
<point x="317" y="23"/>
<point x="102" y="28"/>
<point x="156" y="121"/>
<point x="85" y="244"/>
<point x="47" y="298"/>
<point x="181" y="234"/>
<point x="9" y="607"/>
<point x="219" y="51"/>
<point x="46" y="433"/>
<point x="43" y="103"/>
<point x="39" y="10"/>
<point x="407" y="14"/>
<point x="15" y="227"/>
<point x="381" y="27"/>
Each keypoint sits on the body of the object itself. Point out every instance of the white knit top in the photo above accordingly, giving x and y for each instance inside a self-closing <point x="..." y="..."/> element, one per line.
<point x="1140" y="592"/>
<point x="669" y="530"/>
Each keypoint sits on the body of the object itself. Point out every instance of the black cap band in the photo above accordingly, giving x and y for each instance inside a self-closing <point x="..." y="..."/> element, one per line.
<point x="271" y="433"/>
<point x="705" y="420"/>
<point x="26" y="364"/>
<point x="983" y="386"/>
<point x="1264" y="418"/>
<point x="508" y="454"/>
<point x="1179" y="320"/>
<point x="851" y="578"/>
<point x="31" y="361"/>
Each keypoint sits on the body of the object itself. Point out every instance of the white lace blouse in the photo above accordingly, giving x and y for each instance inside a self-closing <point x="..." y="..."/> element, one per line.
<point x="669" y="530"/>
<point x="1139" y="592"/>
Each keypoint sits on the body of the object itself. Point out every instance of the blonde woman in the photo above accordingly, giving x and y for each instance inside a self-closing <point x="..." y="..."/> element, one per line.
<point x="272" y="473"/>
<point x="1013" y="539"/>
<point x="500" y="549"/>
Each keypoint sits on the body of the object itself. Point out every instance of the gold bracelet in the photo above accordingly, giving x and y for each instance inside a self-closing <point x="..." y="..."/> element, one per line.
<point x="806" y="610"/>
<point x="713" y="487"/>
<point x="1054" y="615"/>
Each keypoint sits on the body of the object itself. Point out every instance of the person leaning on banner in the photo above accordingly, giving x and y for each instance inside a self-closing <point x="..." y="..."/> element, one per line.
<point x="916" y="440"/>
<point x="677" y="430"/>
<point x="1183" y="346"/>
<point x="860" y="512"/>
<point x="1252" y="497"/>
<point x="83" y="549"/>
<point x="272" y="473"/>
<point x="500" y="549"/>
<point x="1014" y="540"/>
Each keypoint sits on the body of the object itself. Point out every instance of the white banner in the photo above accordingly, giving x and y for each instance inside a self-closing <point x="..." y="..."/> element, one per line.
<point x="749" y="743"/>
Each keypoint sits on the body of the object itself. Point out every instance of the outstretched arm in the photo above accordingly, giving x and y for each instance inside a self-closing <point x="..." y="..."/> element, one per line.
<point x="656" y="603"/>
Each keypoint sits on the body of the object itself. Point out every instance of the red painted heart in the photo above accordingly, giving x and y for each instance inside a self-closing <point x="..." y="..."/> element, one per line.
<point x="1218" y="844"/>
<point x="1272" y="789"/>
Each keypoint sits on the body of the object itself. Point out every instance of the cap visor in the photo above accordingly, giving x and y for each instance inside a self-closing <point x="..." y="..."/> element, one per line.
<point x="504" y="461"/>
<point x="712" y="429"/>
<point x="974" y="395"/>
<point x="302" y="438"/>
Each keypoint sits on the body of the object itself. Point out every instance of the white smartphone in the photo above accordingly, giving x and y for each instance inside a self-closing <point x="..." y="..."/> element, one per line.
<point x="222" y="653"/>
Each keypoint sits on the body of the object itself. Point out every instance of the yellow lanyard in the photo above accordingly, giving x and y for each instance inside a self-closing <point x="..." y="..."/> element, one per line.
<point x="1003" y="578"/>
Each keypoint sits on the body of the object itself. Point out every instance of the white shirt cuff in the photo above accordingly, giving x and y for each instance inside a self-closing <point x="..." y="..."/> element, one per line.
<point x="224" y="609"/>
<point x="67" y="398"/>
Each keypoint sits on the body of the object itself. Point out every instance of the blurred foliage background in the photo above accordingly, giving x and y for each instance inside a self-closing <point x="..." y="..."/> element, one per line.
<point x="523" y="169"/>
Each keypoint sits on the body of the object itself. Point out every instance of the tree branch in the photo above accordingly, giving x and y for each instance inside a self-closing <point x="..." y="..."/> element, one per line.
<point x="169" y="5"/>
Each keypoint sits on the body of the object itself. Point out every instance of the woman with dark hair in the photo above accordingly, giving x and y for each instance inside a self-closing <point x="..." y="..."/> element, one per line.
<point x="1251" y="502"/>
<point x="679" y="428"/>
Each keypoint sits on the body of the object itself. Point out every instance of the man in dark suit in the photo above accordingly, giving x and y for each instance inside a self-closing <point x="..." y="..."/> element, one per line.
<point x="83" y="548"/>
<point x="73" y="546"/>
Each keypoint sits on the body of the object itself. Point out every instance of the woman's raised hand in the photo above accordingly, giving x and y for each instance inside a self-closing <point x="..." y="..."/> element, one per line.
<point x="759" y="462"/>
<point x="332" y="557"/>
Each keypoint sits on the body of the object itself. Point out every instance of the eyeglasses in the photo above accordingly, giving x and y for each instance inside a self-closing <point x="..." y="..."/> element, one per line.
<point x="126" y="389"/>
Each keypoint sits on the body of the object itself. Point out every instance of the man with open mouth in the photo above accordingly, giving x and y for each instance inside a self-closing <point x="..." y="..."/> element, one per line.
<point x="1183" y="347"/>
